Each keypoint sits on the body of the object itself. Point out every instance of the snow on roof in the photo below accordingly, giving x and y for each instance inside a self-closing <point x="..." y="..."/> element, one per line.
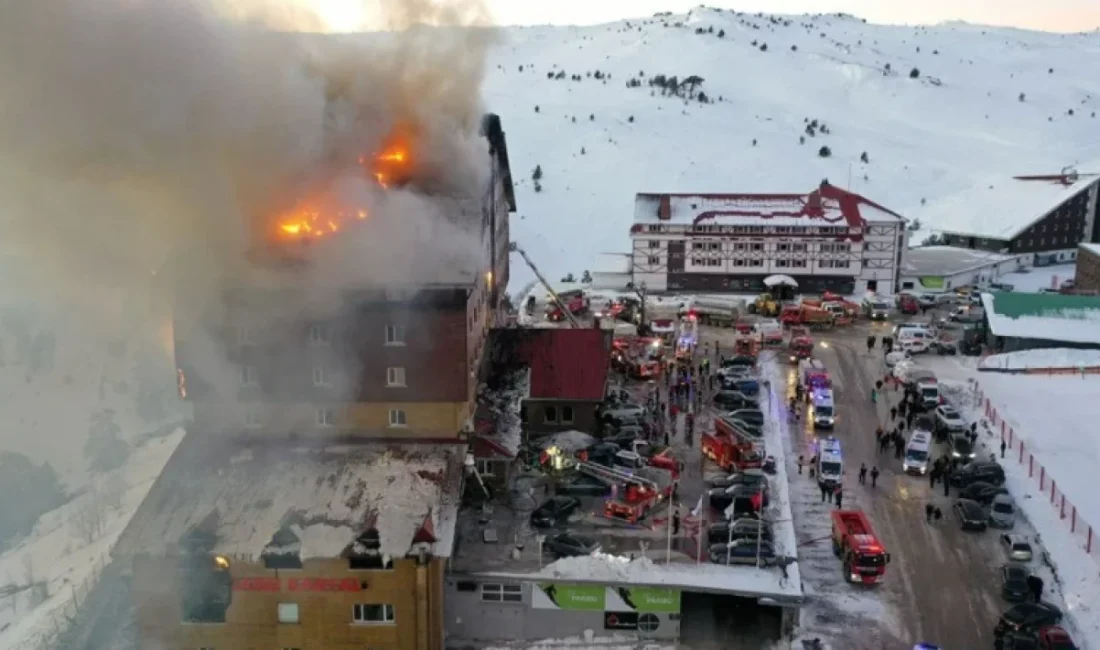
<point x="1042" y="358"/>
<point x="948" y="260"/>
<point x="1092" y="248"/>
<point x="642" y="571"/>
<point x="1050" y="317"/>
<point x="326" y="496"/>
<point x="827" y="205"/>
<point x="1001" y="208"/>
<point x="498" y="418"/>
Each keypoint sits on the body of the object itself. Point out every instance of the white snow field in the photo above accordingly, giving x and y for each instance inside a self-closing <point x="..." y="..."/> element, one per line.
<point x="957" y="126"/>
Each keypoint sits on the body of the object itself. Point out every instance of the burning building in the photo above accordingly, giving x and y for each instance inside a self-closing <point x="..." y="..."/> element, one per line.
<point x="319" y="336"/>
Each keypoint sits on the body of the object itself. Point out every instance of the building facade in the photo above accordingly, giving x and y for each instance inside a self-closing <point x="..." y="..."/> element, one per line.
<point x="827" y="240"/>
<point x="1053" y="232"/>
<point x="1087" y="277"/>
<point x="939" y="269"/>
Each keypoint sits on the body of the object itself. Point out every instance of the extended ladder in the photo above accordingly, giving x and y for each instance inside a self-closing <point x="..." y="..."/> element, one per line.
<point x="613" y="475"/>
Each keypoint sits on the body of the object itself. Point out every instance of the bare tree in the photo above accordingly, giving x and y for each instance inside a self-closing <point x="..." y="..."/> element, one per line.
<point x="90" y="521"/>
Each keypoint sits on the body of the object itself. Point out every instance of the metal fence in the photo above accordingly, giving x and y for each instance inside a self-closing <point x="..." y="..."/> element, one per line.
<point x="1017" y="450"/>
<point x="62" y="618"/>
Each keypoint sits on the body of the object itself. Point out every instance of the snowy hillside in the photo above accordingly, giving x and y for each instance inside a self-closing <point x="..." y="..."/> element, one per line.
<point x="960" y="123"/>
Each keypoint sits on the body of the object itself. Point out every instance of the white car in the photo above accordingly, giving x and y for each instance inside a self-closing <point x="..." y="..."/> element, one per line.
<point x="893" y="358"/>
<point x="948" y="419"/>
<point x="1017" y="547"/>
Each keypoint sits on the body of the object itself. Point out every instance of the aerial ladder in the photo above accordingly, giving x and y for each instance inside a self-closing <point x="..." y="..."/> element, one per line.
<point x="514" y="248"/>
<point x="611" y="475"/>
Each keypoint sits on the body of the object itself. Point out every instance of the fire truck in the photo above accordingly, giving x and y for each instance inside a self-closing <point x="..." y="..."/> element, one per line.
<point x="732" y="447"/>
<point x="575" y="300"/>
<point x="772" y="333"/>
<point x="814" y="375"/>
<point x="746" y="346"/>
<point x="855" y="543"/>
<point x="802" y="345"/>
<point x="637" y="491"/>
<point x="791" y="314"/>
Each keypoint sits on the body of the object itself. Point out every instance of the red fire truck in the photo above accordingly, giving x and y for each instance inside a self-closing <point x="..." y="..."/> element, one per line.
<point x="636" y="492"/>
<point x="802" y="344"/>
<point x="575" y="300"/>
<point x="854" y="541"/>
<point x="733" y="447"/>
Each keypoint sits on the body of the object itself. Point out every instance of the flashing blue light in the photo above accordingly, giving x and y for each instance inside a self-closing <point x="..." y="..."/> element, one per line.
<point x="926" y="646"/>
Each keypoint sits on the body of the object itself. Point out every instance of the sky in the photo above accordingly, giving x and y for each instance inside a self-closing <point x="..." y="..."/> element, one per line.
<point x="1047" y="15"/>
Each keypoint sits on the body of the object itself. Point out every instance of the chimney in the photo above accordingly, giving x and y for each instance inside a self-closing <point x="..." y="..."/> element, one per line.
<point x="664" y="209"/>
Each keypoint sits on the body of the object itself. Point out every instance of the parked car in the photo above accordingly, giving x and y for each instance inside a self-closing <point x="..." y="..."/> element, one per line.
<point x="623" y="411"/>
<point x="948" y="419"/>
<point x="1014" y="587"/>
<point x="753" y="416"/>
<point x="981" y="492"/>
<point x="747" y="385"/>
<point x="583" y="485"/>
<point x="723" y="531"/>
<point x="1053" y="637"/>
<point x="741" y="551"/>
<point x="988" y="472"/>
<point x="554" y="512"/>
<point x="1002" y="511"/>
<point x="1028" y="617"/>
<point x="571" y="545"/>
<point x="742" y="360"/>
<point x="1017" y="547"/>
<point x="750" y="477"/>
<point x="744" y="498"/>
<point x="970" y="514"/>
<point x="1019" y="641"/>
<point x="732" y="399"/>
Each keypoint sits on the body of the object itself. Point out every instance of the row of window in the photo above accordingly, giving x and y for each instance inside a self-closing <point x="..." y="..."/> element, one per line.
<point x="554" y="415"/>
<point x="748" y="230"/>
<point x="395" y="377"/>
<point x="321" y="335"/>
<point x="361" y="614"/>
<point x="781" y="263"/>
<point x="782" y="247"/>
<point x="326" y="417"/>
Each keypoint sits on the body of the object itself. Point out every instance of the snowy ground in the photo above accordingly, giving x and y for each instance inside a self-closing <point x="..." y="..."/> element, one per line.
<point x="959" y="125"/>
<point x="1040" y="277"/>
<point x="1044" y="358"/>
<point x="1052" y="416"/>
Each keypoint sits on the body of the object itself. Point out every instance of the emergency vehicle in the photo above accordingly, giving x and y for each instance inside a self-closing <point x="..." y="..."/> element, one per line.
<point x="802" y="345"/>
<point x="733" y="447"/>
<point x="576" y="300"/>
<point x="822" y="408"/>
<point x="830" y="462"/>
<point x="637" y="491"/>
<point x="863" y="557"/>
<point x="917" y="453"/>
<point x="814" y="375"/>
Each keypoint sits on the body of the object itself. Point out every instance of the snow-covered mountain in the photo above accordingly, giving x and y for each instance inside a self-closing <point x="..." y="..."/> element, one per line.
<point x="984" y="104"/>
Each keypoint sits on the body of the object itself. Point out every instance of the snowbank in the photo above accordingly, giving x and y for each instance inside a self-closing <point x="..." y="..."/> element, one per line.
<point x="1052" y="358"/>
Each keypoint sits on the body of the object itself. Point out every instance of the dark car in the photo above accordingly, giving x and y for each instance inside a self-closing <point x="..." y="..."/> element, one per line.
<point x="753" y="416"/>
<point x="971" y="514"/>
<point x="961" y="449"/>
<point x="741" y="551"/>
<point x="752" y="478"/>
<point x="583" y="486"/>
<point x="981" y="492"/>
<point x="1028" y="617"/>
<point x="740" y="360"/>
<point x="731" y="399"/>
<point x="570" y="545"/>
<point x="1014" y="587"/>
<point x="723" y="531"/>
<point x="974" y="472"/>
<point x="554" y="512"/>
<point x="746" y="385"/>
<point x="746" y="499"/>
<point x="601" y="453"/>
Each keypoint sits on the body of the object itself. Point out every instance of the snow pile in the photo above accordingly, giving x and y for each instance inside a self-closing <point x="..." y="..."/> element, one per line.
<point x="1042" y="358"/>
<point x="1036" y="279"/>
<point x="959" y="127"/>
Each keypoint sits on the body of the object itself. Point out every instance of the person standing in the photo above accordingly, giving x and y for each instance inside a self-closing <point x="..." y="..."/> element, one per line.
<point x="676" y="522"/>
<point x="874" y="476"/>
<point x="824" y="490"/>
<point x="1003" y="446"/>
<point x="839" y="496"/>
<point x="801" y="461"/>
<point x="862" y="473"/>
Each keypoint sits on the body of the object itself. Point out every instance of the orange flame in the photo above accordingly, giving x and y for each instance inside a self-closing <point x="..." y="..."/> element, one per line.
<point x="388" y="167"/>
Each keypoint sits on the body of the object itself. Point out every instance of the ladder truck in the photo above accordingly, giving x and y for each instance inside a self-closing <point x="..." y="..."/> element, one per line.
<point x="641" y="490"/>
<point x="562" y="305"/>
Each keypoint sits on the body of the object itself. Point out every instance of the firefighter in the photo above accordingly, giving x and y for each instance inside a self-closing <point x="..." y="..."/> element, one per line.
<point x="874" y="476"/>
<point x="838" y="493"/>
<point x="870" y="343"/>
<point x="863" y="473"/>
<point x="801" y="462"/>
<point x="929" y="510"/>
<point x="888" y="344"/>
<point x="893" y="413"/>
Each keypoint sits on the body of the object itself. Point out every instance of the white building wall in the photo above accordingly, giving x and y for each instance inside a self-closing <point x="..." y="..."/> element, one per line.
<point x="880" y="256"/>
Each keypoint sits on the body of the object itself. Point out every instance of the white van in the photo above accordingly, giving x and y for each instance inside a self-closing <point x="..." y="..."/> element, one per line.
<point x="822" y="409"/>
<point x="830" y="462"/>
<point x="914" y="341"/>
<point x="917" y="453"/>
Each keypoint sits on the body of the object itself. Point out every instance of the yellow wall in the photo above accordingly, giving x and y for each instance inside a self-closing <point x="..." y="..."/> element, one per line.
<point x="325" y="618"/>
<point x="424" y="419"/>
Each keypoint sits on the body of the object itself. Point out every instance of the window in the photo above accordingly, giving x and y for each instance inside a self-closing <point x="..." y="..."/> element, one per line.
<point x="739" y="247"/>
<point x="395" y="377"/>
<point x="326" y="417"/>
<point x="738" y="262"/>
<point x="906" y="285"/>
<point x="783" y="248"/>
<point x="756" y="262"/>
<point x="320" y="377"/>
<point x="653" y="243"/>
<point x="782" y="263"/>
<point x="248" y="376"/>
<point x="397" y="418"/>
<point x="698" y="246"/>
<point x="395" y="335"/>
<point x="798" y="263"/>
<point x="757" y="247"/>
<point x="372" y="614"/>
<point x="714" y="262"/>
<point x="698" y="261"/>
<point x="245" y="335"/>
<point x="495" y="593"/>
<point x="714" y="246"/>
<point x="567" y="415"/>
<point x="798" y="248"/>
<point x="550" y="415"/>
<point x="484" y="467"/>
<point x="287" y="612"/>
<point x="252" y="420"/>
<point x="318" y="335"/>
<point x="654" y="260"/>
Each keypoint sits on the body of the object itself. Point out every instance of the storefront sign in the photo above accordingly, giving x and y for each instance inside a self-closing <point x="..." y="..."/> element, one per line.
<point x="932" y="281"/>
<point x="573" y="597"/>
<point x="650" y="599"/>
<point x="297" y="584"/>
<point x="620" y="620"/>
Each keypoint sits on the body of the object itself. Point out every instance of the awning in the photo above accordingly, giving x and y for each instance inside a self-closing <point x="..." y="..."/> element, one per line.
<point x="780" y="281"/>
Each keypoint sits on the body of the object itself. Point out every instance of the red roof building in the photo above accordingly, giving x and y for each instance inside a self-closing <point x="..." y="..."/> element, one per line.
<point x="568" y="378"/>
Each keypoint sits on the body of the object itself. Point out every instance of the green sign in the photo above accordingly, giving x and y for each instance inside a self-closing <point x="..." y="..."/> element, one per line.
<point x="932" y="281"/>
<point x="575" y="597"/>
<point x="650" y="599"/>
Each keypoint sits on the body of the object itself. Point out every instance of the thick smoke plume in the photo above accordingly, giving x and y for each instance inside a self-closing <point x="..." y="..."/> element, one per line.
<point x="150" y="146"/>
